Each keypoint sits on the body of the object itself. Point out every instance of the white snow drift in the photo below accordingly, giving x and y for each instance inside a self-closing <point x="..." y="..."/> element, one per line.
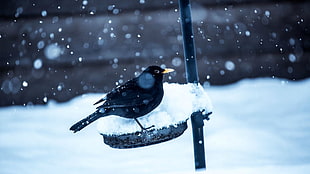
<point x="257" y="126"/>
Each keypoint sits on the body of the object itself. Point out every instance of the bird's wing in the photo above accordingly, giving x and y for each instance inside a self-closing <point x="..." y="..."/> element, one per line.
<point x="118" y="90"/>
<point x="126" y="95"/>
<point x="126" y="102"/>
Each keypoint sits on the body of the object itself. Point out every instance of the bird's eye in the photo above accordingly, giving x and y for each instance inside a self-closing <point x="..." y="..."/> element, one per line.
<point x="156" y="71"/>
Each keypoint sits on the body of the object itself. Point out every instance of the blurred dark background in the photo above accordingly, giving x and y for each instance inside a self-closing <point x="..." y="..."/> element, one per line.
<point x="60" y="49"/>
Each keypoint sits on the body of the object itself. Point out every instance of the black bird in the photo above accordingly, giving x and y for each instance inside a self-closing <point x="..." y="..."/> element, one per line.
<point x="135" y="98"/>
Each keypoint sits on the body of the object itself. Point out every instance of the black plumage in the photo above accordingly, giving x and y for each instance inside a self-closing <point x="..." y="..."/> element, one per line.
<point x="134" y="99"/>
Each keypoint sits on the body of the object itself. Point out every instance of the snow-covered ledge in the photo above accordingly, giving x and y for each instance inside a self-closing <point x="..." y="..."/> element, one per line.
<point x="179" y="102"/>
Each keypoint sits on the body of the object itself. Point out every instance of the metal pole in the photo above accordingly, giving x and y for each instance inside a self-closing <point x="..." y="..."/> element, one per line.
<point x="192" y="77"/>
<point x="188" y="42"/>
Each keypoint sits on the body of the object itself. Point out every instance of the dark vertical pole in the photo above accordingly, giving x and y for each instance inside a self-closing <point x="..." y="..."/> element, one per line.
<point x="188" y="42"/>
<point x="192" y="77"/>
<point x="199" y="150"/>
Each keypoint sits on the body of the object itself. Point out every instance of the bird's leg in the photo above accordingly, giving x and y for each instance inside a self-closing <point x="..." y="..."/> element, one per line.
<point x="143" y="128"/>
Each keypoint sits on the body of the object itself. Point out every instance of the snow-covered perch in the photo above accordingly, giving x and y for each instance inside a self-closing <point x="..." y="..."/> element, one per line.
<point x="179" y="102"/>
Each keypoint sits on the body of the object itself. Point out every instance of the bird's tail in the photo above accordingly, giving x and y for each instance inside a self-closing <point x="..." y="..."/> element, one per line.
<point x="86" y="121"/>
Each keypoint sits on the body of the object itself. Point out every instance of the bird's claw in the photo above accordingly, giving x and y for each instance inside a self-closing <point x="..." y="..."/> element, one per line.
<point x="147" y="128"/>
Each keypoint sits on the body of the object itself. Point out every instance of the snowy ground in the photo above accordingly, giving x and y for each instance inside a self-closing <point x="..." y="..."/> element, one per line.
<point x="257" y="126"/>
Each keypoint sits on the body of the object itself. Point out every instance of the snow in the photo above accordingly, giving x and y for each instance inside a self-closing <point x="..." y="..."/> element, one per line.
<point x="179" y="102"/>
<point x="25" y="83"/>
<point x="176" y="61"/>
<point x="11" y="86"/>
<point x="292" y="57"/>
<point x="19" y="11"/>
<point x="85" y="2"/>
<point x="248" y="33"/>
<point x="257" y="126"/>
<point x="44" y="13"/>
<point x="37" y="64"/>
<point x="40" y="44"/>
<point x="229" y="65"/>
<point x="52" y="51"/>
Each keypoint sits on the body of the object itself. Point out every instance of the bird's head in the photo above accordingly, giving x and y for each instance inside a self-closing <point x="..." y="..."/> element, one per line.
<point x="151" y="75"/>
<point x="157" y="71"/>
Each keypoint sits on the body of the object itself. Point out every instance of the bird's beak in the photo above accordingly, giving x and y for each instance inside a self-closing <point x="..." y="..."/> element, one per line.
<point x="167" y="70"/>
